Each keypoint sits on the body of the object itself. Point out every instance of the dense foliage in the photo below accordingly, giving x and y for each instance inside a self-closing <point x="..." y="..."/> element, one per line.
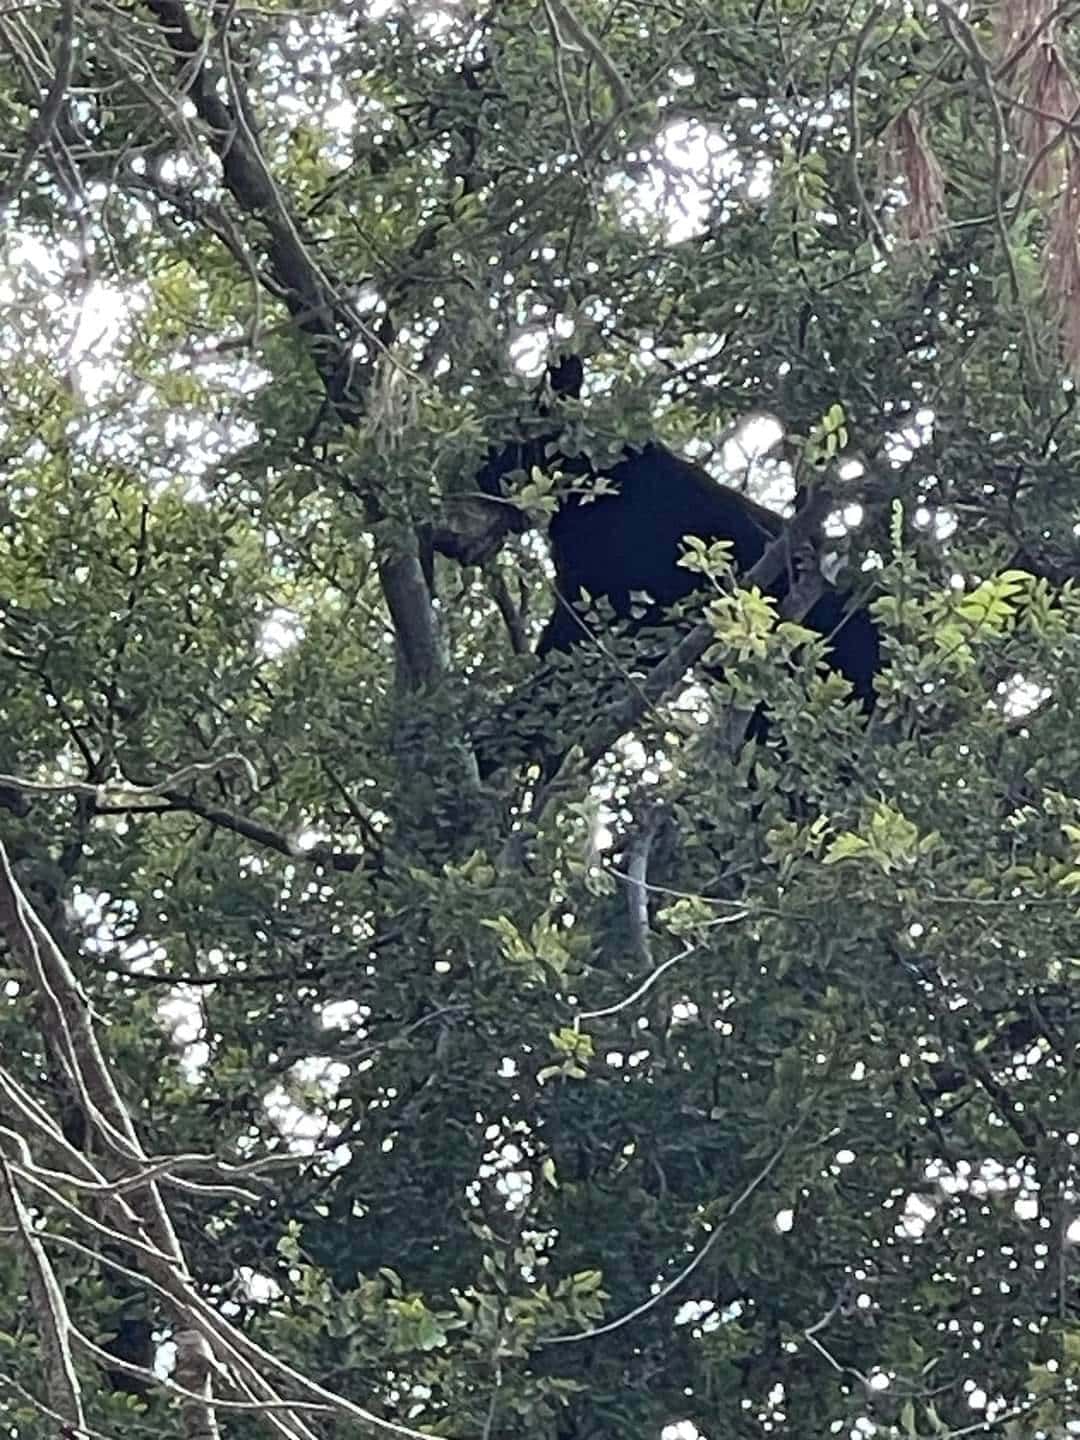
<point x="703" y="1088"/>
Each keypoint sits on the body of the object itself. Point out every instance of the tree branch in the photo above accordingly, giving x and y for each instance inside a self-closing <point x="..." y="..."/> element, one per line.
<point x="41" y="131"/>
<point x="47" y="1302"/>
<point x="318" y="307"/>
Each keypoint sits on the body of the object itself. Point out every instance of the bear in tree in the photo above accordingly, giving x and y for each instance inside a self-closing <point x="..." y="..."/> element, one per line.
<point x="630" y="540"/>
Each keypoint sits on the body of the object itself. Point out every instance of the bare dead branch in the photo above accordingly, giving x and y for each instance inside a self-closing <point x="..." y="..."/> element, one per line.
<point x="140" y="1221"/>
<point x="47" y="1300"/>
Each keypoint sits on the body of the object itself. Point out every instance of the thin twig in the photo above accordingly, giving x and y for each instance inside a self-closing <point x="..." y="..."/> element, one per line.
<point x="650" y="980"/>
<point x="685" y="1273"/>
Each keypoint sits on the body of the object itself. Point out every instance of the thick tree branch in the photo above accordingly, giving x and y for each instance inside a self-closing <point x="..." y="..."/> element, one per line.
<point x="408" y="598"/>
<point x="341" y="860"/>
<point x="316" y="303"/>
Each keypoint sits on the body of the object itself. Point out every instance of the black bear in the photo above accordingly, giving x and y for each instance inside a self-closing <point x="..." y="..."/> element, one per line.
<point x="630" y="540"/>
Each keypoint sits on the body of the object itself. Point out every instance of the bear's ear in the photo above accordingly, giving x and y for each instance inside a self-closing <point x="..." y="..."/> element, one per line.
<point x="566" y="376"/>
